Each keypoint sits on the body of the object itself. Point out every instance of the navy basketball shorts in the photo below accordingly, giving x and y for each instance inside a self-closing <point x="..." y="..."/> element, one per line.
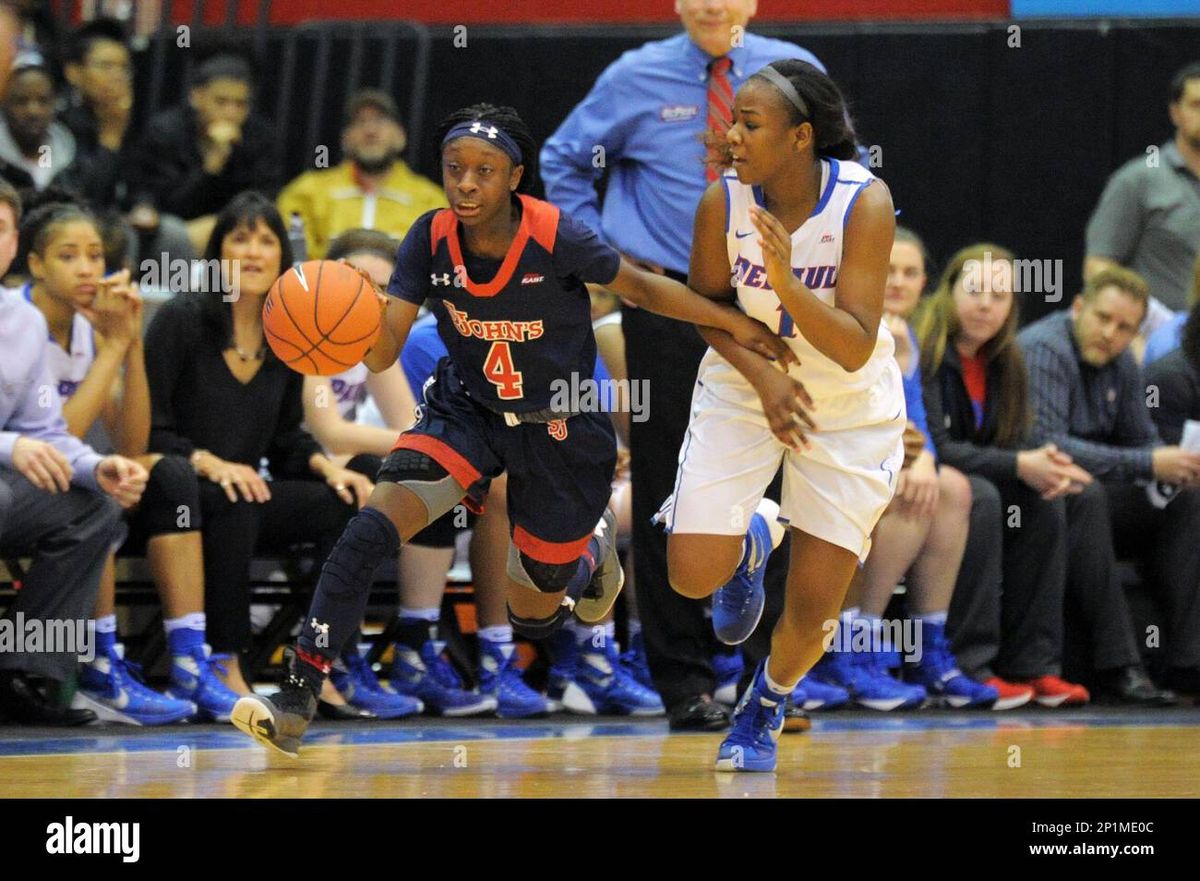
<point x="559" y="474"/>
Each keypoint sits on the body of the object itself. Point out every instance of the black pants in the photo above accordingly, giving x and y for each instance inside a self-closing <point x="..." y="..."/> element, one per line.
<point x="1095" y="598"/>
<point x="1006" y="614"/>
<point x="69" y="535"/>
<point x="299" y="511"/>
<point x="1167" y="543"/>
<point x="677" y="630"/>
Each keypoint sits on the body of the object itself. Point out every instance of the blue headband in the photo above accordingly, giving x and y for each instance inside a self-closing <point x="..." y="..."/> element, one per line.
<point x="489" y="132"/>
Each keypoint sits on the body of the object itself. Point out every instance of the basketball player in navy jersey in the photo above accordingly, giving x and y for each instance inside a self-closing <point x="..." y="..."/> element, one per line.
<point x="505" y="274"/>
<point x="800" y="235"/>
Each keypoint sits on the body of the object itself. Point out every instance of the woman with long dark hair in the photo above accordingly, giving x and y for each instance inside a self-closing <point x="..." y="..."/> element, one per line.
<point x="220" y="398"/>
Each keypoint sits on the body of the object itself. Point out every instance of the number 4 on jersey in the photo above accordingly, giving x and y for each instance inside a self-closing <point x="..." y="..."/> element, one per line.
<point x="500" y="372"/>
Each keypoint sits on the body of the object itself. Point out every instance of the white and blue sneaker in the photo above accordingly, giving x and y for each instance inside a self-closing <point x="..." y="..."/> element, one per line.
<point x="428" y="676"/>
<point x="757" y="724"/>
<point x="112" y="688"/>
<point x="193" y="678"/>
<point x="938" y="672"/>
<point x="812" y="694"/>
<point x="353" y="676"/>
<point x="727" y="672"/>
<point x="603" y="685"/>
<point x="738" y="606"/>
<point x="500" y="678"/>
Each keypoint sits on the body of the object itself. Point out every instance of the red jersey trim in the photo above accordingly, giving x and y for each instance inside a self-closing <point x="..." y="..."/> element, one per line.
<point x="556" y="552"/>
<point x="539" y="221"/>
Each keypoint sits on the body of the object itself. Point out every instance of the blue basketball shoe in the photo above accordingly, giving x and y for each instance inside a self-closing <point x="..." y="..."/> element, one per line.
<point x="353" y="677"/>
<point x="812" y="694"/>
<point x="500" y="678"/>
<point x="428" y="676"/>
<point x="112" y="688"/>
<point x="194" y="678"/>
<point x="938" y="672"/>
<point x="757" y="724"/>
<point x="609" y="687"/>
<point x="727" y="671"/>
<point x="738" y="606"/>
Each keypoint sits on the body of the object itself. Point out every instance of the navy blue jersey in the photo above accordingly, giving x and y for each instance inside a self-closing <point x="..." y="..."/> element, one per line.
<point x="511" y="326"/>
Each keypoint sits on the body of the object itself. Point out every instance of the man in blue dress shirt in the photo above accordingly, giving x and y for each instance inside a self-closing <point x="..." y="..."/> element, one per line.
<point x="644" y="122"/>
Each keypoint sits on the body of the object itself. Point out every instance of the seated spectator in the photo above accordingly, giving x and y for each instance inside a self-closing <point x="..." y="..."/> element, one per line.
<point x="1169" y="336"/>
<point x="220" y="398"/>
<point x="95" y="359"/>
<point x="1146" y="219"/>
<point x="1174" y="380"/>
<point x="53" y="503"/>
<point x="100" y="71"/>
<point x="372" y="188"/>
<point x="1047" y="508"/>
<point x="194" y="158"/>
<point x="1089" y="400"/>
<point x="923" y="533"/>
<point x="34" y="148"/>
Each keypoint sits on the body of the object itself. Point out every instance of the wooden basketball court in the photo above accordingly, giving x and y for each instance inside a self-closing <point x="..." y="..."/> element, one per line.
<point x="930" y="754"/>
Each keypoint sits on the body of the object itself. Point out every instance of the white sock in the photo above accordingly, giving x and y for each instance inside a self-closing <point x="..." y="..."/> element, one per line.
<point x="500" y="634"/>
<point x="190" y="621"/>
<point x="635" y="629"/>
<point x="107" y="624"/>
<point x="772" y="686"/>
<point x="431" y="615"/>
<point x="932" y="618"/>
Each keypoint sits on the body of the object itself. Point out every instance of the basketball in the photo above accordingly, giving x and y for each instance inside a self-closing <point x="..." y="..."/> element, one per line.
<point x="321" y="317"/>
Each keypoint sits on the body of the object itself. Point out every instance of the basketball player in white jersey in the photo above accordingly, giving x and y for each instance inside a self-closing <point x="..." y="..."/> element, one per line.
<point x="800" y="235"/>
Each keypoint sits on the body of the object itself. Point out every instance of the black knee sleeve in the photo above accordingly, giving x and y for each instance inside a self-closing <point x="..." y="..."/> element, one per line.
<point x="405" y="464"/>
<point x="171" y="502"/>
<point x="549" y="577"/>
<point x="341" y="596"/>
<point x="538" y="628"/>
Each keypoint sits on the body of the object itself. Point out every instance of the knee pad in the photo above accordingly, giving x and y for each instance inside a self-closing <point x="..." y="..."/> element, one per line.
<point x="543" y="577"/>
<point x="171" y="502"/>
<point x="538" y="628"/>
<point x="423" y="477"/>
<point x="368" y="540"/>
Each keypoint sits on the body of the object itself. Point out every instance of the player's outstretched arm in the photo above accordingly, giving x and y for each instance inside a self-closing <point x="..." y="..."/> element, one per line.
<point x="398" y="318"/>
<point x="847" y="331"/>
<point x="668" y="297"/>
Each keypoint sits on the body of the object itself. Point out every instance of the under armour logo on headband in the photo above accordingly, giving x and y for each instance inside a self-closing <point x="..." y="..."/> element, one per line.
<point x="492" y="131"/>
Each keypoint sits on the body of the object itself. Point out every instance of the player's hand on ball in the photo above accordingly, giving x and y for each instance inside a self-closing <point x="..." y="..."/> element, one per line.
<point x="757" y="337"/>
<point x="352" y="488"/>
<point x="786" y="404"/>
<point x="123" y="479"/>
<point x="776" y="246"/>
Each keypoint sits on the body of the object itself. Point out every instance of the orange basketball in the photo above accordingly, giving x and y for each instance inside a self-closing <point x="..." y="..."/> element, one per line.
<point x="321" y="317"/>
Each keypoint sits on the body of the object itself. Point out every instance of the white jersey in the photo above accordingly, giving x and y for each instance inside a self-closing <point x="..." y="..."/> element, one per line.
<point x="350" y="389"/>
<point x="69" y="368"/>
<point x="816" y="260"/>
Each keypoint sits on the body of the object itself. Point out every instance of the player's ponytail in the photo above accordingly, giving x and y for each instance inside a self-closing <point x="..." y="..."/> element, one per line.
<point x="509" y="120"/>
<point x="833" y="131"/>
